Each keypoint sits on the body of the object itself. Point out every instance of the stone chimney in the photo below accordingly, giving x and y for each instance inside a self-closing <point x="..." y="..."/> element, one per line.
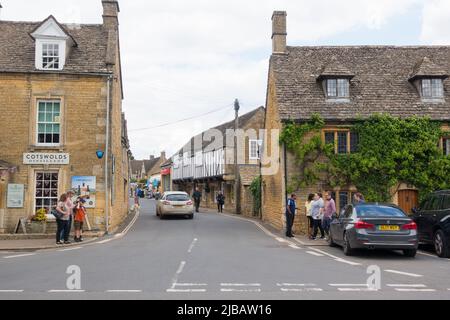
<point x="152" y="157"/>
<point x="163" y="155"/>
<point x="111" y="14"/>
<point x="279" y="32"/>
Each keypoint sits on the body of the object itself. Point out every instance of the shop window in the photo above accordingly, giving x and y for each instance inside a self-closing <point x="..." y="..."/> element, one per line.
<point x="46" y="190"/>
<point x="49" y="123"/>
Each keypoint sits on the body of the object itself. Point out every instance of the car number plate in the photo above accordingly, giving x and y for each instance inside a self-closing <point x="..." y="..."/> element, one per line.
<point x="389" y="228"/>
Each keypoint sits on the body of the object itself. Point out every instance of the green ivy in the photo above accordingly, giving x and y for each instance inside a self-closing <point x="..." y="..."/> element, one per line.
<point x="255" y="189"/>
<point x="391" y="150"/>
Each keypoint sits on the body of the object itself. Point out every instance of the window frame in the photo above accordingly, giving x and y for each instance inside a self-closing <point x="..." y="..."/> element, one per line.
<point x="337" y="94"/>
<point x="336" y="132"/>
<point x="445" y="145"/>
<point x="45" y="123"/>
<point x="58" y="188"/>
<point x="54" y="45"/>
<point x="251" y="143"/>
<point x="435" y="92"/>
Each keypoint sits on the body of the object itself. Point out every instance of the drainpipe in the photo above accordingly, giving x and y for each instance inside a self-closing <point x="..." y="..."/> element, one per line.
<point x="107" y="202"/>
<point x="285" y="175"/>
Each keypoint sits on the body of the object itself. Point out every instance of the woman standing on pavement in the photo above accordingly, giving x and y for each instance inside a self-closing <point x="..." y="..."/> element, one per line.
<point x="308" y="213"/>
<point x="63" y="221"/>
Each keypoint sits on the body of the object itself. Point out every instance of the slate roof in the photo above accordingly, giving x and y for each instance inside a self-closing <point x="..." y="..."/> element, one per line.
<point x="136" y="166"/>
<point x="150" y="164"/>
<point x="243" y="120"/>
<point x="380" y="83"/>
<point x="17" y="48"/>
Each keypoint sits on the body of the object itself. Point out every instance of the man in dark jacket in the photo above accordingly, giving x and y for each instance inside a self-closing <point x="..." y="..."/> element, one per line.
<point x="197" y="196"/>
<point x="291" y="207"/>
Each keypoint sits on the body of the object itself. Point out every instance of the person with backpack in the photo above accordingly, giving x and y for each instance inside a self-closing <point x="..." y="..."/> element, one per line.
<point x="220" y="201"/>
<point x="79" y="216"/>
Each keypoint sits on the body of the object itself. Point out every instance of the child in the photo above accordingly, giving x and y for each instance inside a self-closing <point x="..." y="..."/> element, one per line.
<point x="80" y="213"/>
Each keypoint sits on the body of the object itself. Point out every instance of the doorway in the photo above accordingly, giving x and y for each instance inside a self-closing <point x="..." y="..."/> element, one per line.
<point x="408" y="199"/>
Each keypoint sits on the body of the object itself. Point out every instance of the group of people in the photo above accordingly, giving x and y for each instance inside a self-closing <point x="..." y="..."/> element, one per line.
<point x="319" y="209"/>
<point x="197" y="196"/>
<point x="70" y="212"/>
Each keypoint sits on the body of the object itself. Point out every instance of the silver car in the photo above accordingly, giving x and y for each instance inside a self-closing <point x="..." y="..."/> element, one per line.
<point x="374" y="226"/>
<point x="175" y="203"/>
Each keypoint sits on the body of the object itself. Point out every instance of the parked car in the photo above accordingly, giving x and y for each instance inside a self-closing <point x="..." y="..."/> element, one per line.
<point x="374" y="226"/>
<point x="433" y="222"/>
<point x="175" y="203"/>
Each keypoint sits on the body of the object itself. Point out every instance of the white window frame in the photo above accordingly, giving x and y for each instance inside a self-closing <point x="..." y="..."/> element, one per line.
<point x="251" y="155"/>
<point x="52" y="51"/>
<point x="38" y="102"/>
<point x="40" y="56"/>
<point x="199" y="158"/>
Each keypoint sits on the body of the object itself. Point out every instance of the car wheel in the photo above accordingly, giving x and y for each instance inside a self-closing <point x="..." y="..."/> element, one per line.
<point x="161" y="216"/>
<point x="157" y="213"/>
<point x="440" y="245"/>
<point x="191" y="216"/>
<point x="330" y="241"/>
<point x="410" y="253"/>
<point x="348" y="251"/>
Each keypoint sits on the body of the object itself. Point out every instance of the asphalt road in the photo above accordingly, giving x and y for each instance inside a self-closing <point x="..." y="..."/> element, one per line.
<point x="216" y="257"/>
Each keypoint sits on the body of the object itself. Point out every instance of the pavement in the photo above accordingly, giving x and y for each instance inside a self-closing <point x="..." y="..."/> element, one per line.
<point x="216" y="257"/>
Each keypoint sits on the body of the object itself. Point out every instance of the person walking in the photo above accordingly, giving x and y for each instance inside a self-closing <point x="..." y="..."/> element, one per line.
<point x="63" y="221"/>
<point x="197" y="196"/>
<point x="358" y="198"/>
<point x="220" y="201"/>
<point x="291" y="207"/>
<point x="136" y="198"/>
<point x="308" y="214"/>
<point x="330" y="209"/>
<point x="317" y="207"/>
<point x="80" y="214"/>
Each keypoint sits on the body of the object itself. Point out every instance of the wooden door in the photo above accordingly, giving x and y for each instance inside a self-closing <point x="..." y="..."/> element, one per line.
<point x="408" y="199"/>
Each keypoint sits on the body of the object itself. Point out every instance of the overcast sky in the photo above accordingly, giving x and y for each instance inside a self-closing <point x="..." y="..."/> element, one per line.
<point x="183" y="58"/>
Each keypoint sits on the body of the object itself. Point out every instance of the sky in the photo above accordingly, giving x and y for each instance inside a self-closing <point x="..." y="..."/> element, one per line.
<point x="187" y="58"/>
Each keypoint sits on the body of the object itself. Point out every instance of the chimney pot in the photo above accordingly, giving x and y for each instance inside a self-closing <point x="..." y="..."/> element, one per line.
<point x="279" y="32"/>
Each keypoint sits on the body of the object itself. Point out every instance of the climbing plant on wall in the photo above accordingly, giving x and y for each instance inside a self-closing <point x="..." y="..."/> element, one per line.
<point x="390" y="151"/>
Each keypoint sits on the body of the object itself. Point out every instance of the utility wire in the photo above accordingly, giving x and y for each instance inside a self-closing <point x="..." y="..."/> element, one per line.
<point x="181" y="120"/>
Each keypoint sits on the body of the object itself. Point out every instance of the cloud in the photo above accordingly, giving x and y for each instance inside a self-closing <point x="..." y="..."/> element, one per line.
<point x="436" y="22"/>
<point x="183" y="58"/>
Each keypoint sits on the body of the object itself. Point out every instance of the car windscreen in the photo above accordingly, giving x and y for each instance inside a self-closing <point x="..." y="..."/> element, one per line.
<point x="177" y="197"/>
<point x="378" y="211"/>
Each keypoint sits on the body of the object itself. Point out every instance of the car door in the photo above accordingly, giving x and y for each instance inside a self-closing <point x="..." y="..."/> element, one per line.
<point x="342" y="223"/>
<point x="429" y="218"/>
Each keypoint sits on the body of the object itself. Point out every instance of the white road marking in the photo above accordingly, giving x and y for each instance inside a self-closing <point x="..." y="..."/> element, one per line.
<point x="315" y="253"/>
<point x="293" y="246"/>
<point x="123" y="291"/>
<point x="407" y="285"/>
<point x="348" y="285"/>
<point x="404" y="273"/>
<point x="186" y="290"/>
<point x="181" y="267"/>
<point x="177" y="274"/>
<point x="240" y="284"/>
<point x="11" y="291"/>
<point x="190" y="284"/>
<point x="302" y="290"/>
<point x="414" y="290"/>
<point x="357" y="290"/>
<point x="281" y="240"/>
<point x="296" y="284"/>
<point x="336" y="258"/>
<point x="70" y="249"/>
<point x="427" y="254"/>
<point x="66" y="291"/>
<point x="192" y="245"/>
<point x="240" y="290"/>
<point x="20" y="256"/>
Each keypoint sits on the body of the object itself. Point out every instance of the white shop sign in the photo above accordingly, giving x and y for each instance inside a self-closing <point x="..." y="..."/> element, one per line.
<point x="15" y="195"/>
<point x="46" y="158"/>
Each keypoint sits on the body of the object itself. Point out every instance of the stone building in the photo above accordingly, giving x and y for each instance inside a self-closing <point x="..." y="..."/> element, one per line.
<point x="62" y="125"/>
<point x="207" y="162"/>
<point x="342" y="84"/>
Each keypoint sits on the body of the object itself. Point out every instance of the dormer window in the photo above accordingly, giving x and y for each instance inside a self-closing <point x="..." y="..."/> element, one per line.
<point x="432" y="89"/>
<point x="338" y="88"/>
<point x="50" y="56"/>
<point x="53" y="45"/>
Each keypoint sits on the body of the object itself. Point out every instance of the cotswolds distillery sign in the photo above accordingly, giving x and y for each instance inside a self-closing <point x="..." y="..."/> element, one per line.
<point x="46" y="158"/>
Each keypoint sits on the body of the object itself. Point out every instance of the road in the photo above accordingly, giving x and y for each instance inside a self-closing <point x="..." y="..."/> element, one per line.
<point x="216" y="257"/>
